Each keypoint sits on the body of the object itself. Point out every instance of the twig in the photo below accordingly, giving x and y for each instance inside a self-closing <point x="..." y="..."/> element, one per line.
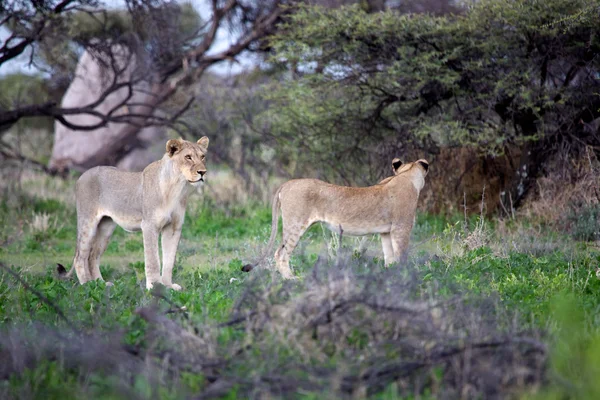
<point x="339" y="250"/>
<point x="22" y="158"/>
<point x="512" y="208"/>
<point x="502" y="204"/>
<point x="158" y="292"/>
<point x="465" y="225"/>
<point x="237" y="320"/>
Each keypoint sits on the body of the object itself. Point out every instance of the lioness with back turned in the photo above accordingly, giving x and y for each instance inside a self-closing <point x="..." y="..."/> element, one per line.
<point x="152" y="201"/>
<point x="388" y="208"/>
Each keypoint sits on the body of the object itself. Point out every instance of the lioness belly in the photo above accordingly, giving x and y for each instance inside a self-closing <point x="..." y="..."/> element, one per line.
<point x="131" y="223"/>
<point x="354" y="229"/>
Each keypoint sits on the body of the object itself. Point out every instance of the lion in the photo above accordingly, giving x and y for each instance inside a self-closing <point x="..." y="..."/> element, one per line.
<point x="388" y="208"/>
<point x="152" y="201"/>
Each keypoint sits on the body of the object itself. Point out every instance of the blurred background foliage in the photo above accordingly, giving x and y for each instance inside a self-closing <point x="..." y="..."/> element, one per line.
<point x="505" y="79"/>
<point x="496" y="94"/>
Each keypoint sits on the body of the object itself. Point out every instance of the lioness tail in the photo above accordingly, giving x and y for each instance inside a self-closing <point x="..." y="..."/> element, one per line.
<point x="62" y="271"/>
<point x="274" y="225"/>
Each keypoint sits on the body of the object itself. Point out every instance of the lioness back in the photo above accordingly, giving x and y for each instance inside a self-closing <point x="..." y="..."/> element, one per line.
<point x="354" y="210"/>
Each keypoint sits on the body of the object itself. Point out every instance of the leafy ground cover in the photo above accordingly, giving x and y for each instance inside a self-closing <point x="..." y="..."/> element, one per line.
<point x="484" y="309"/>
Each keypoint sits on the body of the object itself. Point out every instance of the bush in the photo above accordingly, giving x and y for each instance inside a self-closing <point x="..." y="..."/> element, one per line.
<point x="585" y="222"/>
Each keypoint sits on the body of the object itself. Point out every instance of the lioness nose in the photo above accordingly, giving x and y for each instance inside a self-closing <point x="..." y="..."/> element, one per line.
<point x="201" y="172"/>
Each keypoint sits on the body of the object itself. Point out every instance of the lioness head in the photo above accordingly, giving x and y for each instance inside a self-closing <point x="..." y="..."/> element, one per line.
<point x="398" y="167"/>
<point x="189" y="158"/>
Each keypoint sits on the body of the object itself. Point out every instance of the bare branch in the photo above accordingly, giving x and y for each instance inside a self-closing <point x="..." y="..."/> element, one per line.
<point x="22" y="159"/>
<point x="150" y="71"/>
<point x="9" y="53"/>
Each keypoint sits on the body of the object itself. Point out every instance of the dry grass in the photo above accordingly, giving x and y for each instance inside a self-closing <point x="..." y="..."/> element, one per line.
<point x="514" y="236"/>
<point x="37" y="184"/>
<point x="222" y="186"/>
<point x="569" y="184"/>
<point x="479" y="236"/>
<point x="41" y="223"/>
<point x="227" y="189"/>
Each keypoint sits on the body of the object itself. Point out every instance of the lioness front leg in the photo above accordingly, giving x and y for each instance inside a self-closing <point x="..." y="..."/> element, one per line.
<point x="151" y="258"/>
<point x="400" y="237"/>
<point x="388" y="249"/>
<point x="170" y="240"/>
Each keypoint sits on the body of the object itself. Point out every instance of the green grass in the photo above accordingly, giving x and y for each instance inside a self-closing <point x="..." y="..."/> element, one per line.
<point x="552" y="289"/>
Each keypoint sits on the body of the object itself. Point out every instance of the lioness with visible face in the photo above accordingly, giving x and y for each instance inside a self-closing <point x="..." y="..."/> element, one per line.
<point x="388" y="208"/>
<point x="152" y="201"/>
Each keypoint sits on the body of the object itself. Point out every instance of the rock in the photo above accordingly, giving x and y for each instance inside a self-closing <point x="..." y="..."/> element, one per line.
<point x="80" y="150"/>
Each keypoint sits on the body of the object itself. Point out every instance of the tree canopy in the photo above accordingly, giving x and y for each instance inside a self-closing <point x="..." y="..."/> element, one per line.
<point x="159" y="46"/>
<point x="502" y="72"/>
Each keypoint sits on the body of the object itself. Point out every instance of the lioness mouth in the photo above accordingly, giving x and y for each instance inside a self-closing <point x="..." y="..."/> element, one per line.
<point x="199" y="180"/>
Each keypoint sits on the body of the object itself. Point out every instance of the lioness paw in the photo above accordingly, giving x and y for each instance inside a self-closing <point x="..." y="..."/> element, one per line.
<point x="175" y="287"/>
<point x="288" y="275"/>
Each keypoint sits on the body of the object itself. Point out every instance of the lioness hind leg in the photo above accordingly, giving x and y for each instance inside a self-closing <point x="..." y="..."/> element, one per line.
<point x="282" y="262"/>
<point x="86" y="230"/>
<point x="400" y="238"/>
<point x="289" y="243"/>
<point x="104" y="231"/>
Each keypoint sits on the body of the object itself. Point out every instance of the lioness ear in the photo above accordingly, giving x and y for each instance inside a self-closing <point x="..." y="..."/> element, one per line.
<point x="424" y="164"/>
<point x="396" y="163"/>
<point x="203" y="142"/>
<point x="173" y="146"/>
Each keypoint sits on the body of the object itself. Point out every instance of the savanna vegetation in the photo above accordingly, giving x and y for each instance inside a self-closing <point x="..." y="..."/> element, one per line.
<point x="500" y="297"/>
<point x="484" y="308"/>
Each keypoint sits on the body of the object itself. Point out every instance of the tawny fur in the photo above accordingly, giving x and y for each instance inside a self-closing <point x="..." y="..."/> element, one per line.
<point x="388" y="208"/>
<point x="152" y="201"/>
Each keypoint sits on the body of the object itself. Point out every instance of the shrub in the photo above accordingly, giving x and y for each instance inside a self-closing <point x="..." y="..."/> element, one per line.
<point x="585" y="222"/>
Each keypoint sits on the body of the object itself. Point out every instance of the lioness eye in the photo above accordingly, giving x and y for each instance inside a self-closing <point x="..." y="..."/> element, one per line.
<point x="203" y="157"/>
<point x="189" y="157"/>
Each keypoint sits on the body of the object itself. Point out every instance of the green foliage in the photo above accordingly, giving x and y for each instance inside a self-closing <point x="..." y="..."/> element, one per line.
<point x="47" y="205"/>
<point x="585" y="222"/>
<point x="523" y="281"/>
<point x="17" y="90"/>
<point x="236" y="222"/>
<point x="575" y="353"/>
<point x="45" y="381"/>
<point x="528" y="288"/>
<point x="177" y="22"/>
<point x="45" y="224"/>
<point x="502" y="72"/>
<point x="20" y="89"/>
